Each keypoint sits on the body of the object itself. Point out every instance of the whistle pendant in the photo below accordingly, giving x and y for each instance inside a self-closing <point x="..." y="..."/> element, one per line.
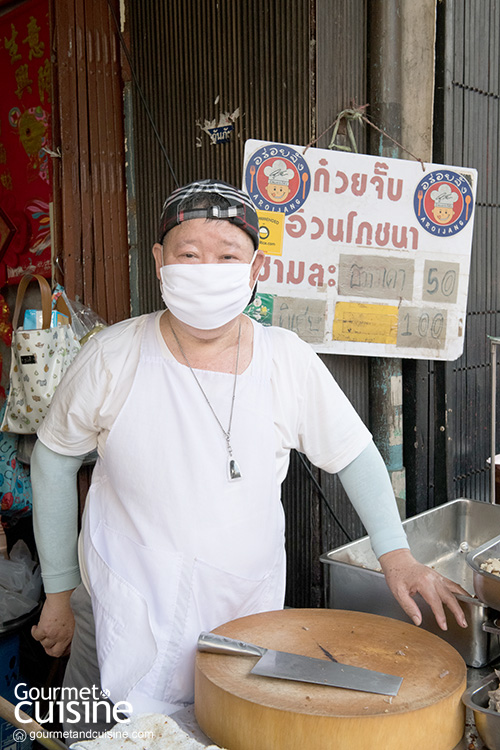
<point x="234" y="470"/>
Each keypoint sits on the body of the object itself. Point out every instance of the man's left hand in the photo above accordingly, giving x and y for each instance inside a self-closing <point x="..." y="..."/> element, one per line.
<point x="406" y="577"/>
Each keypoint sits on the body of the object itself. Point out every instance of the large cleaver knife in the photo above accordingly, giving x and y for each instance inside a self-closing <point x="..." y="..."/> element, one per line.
<point x="303" y="668"/>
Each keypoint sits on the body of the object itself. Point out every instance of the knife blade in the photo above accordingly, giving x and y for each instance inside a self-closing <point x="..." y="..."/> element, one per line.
<point x="285" y="666"/>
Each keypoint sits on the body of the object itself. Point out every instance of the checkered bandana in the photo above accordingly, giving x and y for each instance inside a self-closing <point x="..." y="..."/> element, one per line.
<point x="239" y="210"/>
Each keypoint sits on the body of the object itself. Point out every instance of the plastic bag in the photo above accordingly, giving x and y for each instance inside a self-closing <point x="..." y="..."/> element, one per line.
<point x="84" y="321"/>
<point x="20" y="583"/>
<point x="15" y="485"/>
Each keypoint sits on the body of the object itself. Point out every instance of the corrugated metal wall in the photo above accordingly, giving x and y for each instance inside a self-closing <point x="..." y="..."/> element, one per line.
<point x="287" y="68"/>
<point x="197" y="60"/>
<point x="91" y="242"/>
<point x="339" y="68"/>
<point x="467" y="133"/>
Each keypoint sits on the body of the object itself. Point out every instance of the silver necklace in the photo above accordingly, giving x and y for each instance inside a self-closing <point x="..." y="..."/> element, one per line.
<point x="234" y="471"/>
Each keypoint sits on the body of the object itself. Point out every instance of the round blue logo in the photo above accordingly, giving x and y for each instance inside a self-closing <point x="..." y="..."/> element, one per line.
<point x="443" y="202"/>
<point x="277" y="178"/>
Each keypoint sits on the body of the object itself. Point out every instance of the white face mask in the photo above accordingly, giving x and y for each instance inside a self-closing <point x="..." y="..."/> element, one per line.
<point x="206" y="295"/>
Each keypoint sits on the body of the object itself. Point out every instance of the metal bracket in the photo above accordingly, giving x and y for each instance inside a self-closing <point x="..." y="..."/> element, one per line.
<point x="494" y="342"/>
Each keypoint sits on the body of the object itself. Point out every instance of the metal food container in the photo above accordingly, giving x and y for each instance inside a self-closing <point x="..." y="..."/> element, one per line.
<point x="441" y="538"/>
<point x="486" y="585"/>
<point x="487" y="720"/>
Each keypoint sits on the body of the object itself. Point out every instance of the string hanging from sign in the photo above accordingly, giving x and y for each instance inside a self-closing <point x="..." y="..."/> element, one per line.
<point x="356" y="114"/>
<point x="347" y="115"/>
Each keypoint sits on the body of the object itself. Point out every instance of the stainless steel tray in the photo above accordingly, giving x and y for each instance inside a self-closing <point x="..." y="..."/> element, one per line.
<point x="440" y="537"/>
<point x="486" y="585"/>
<point x="486" y="719"/>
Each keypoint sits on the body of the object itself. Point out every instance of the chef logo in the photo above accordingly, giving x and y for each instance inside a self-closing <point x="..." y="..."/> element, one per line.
<point x="277" y="178"/>
<point x="443" y="203"/>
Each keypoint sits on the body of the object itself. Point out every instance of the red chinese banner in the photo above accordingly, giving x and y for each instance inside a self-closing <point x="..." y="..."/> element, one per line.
<point x="25" y="137"/>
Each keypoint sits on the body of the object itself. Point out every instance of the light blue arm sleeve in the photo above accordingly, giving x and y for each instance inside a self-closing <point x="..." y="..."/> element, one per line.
<point x="55" y="517"/>
<point x="368" y="486"/>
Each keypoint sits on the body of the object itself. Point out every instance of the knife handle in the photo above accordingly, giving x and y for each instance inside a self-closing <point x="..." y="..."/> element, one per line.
<point x="219" y="644"/>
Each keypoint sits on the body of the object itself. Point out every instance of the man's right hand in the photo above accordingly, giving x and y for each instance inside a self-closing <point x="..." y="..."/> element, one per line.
<point x="56" y="625"/>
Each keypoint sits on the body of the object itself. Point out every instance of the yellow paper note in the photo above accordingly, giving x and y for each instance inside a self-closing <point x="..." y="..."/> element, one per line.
<point x="375" y="324"/>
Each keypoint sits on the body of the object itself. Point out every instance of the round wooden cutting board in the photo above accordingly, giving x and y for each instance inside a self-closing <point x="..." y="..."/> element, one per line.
<point x="241" y="711"/>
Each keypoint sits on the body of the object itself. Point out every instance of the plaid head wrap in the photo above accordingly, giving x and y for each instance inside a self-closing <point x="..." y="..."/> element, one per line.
<point x="193" y="202"/>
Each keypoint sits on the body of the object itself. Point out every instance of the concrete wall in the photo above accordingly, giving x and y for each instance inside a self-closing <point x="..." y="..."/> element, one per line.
<point x="418" y="58"/>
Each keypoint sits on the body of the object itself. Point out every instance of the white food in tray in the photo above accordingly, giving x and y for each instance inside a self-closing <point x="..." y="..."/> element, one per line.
<point x="492" y="565"/>
<point x="494" y="696"/>
<point x="146" y="732"/>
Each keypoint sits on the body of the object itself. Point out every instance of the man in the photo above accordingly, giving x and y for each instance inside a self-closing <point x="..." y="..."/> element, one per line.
<point x="278" y="176"/>
<point x="193" y="412"/>
<point x="444" y="199"/>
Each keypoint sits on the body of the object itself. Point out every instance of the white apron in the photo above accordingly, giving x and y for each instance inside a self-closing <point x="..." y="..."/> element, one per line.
<point x="172" y="547"/>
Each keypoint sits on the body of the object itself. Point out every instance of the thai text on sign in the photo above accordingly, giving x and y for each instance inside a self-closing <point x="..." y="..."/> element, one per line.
<point x="365" y="255"/>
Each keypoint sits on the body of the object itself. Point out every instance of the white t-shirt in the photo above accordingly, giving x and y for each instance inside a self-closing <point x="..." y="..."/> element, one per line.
<point x="310" y="411"/>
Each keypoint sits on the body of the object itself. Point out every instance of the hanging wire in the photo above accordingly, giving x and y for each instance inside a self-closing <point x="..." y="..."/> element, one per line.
<point x="323" y="496"/>
<point x="347" y="116"/>
<point x="141" y="93"/>
<point x="353" y="114"/>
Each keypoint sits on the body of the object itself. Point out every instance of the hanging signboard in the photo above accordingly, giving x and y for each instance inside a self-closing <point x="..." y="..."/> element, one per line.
<point x="365" y="255"/>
